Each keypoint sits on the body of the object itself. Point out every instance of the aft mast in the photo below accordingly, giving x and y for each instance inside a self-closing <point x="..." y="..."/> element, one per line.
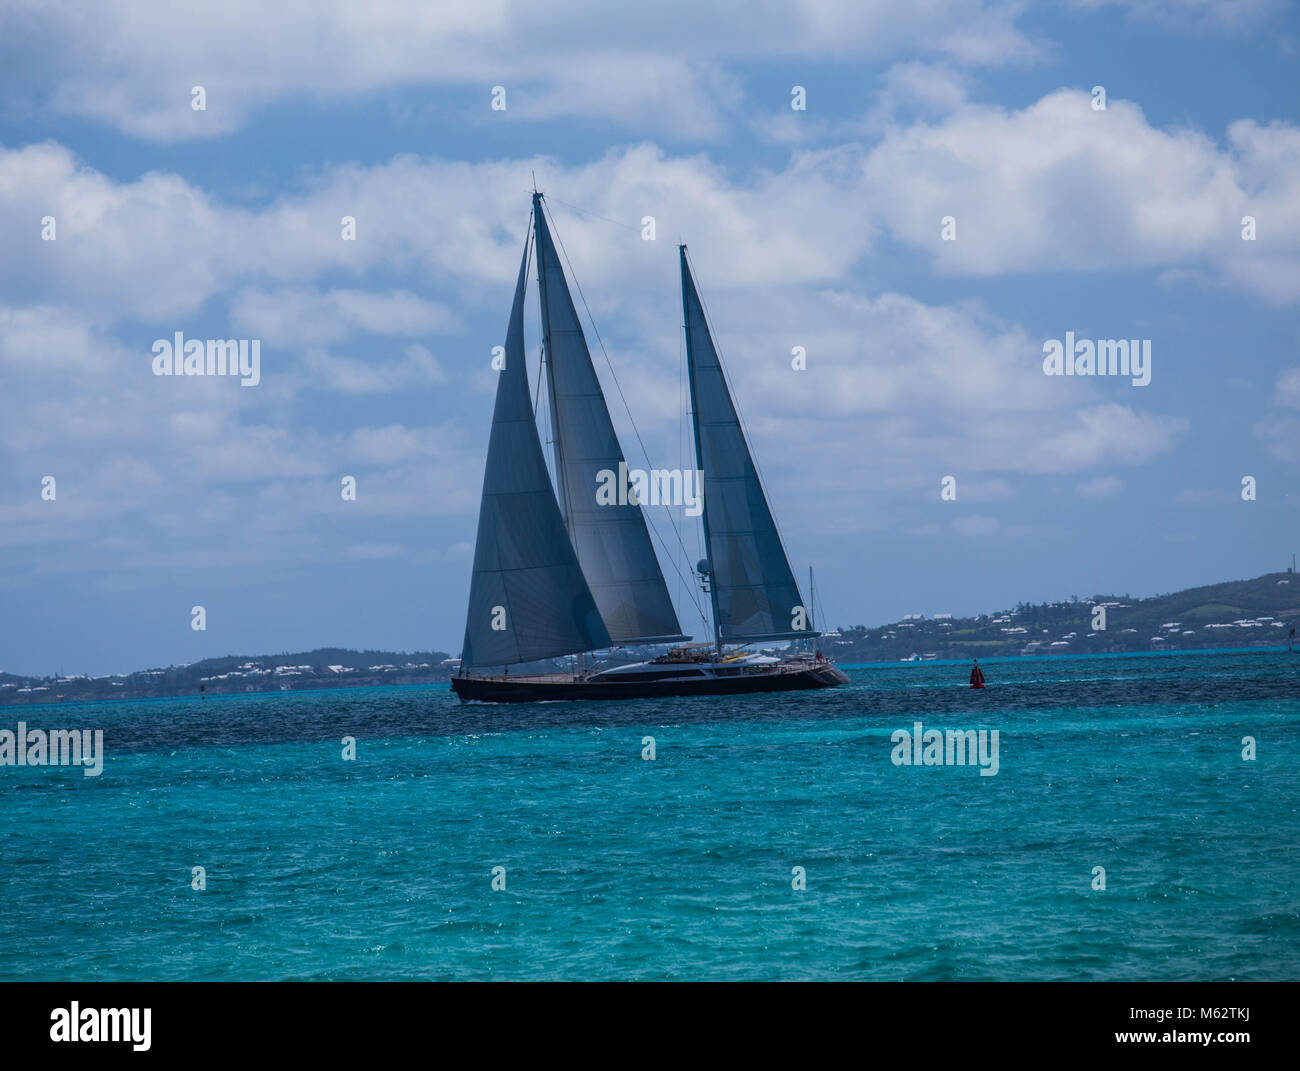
<point x="704" y="568"/>
<point x="754" y="593"/>
<point x="812" y="604"/>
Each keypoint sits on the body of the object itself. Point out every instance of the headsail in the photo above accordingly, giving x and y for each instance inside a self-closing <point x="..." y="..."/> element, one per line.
<point x="528" y="598"/>
<point x="611" y="541"/>
<point x="755" y="596"/>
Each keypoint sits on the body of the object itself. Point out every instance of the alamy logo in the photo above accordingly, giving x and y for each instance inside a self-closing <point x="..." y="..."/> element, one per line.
<point x="76" y="1023"/>
<point x="180" y="356"/>
<point x="1105" y="357"/>
<point x="956" y="747"/>
<point x="658" y="487"/>
<point x="58" y="747"/>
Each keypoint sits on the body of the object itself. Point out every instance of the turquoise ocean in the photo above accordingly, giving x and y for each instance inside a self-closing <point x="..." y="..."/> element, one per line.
<point x="680" y="867"/>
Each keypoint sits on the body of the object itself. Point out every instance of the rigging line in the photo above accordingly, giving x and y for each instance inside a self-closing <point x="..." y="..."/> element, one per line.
<point x="812" y="600"/>
<point x="626" y="408"/>
<point x="635" y="430"/>
<point x="681" y="461"/>
<point x="758" y="471"/>
<point x="682" y="413"/>
<point x="701" y="550"/>
<point x="586" y="212"/>
<point x="702" y="547"/>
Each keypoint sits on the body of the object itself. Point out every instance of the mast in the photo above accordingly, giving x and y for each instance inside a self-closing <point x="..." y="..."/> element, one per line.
<point x="699" y="461"/>
<point x="755" y="595"/>
<point x="557" y="447"/>
<point x="812" y="605"/>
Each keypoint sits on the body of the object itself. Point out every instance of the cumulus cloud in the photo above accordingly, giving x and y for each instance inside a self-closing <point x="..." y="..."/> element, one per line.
<point x="151" y="469"/>
<point x="132" y="63"/>
<point x="1287" y="391"/>
<point x="307" y="317"/>
<point x="1205" y="496"/>
<point x="1099" y="487"/>
<point x="1279" y="428"/>
<point x="912" y="88"/>
<point x="1058" y="186"/>
<point x="975" y="524"/>
<point x="1197" y="16"/>
<point x="159" y="248"/>
<point x="986" y="490"/>
<point x="1051" y="187"/>
<point x="907" y="391"/>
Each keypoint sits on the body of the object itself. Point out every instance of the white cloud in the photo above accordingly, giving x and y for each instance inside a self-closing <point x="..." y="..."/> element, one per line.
<point x="907" y="391"/>
<point x="1059" y="187"/>
<point x="159" y="248"/>
<point x="908" y="90"/>
<point x="306" y="317"/>
<point x="1204" y="496"/>
<point x="133" y="63"/>
<point x="913" y="391"/>
<point x="1287" y="391"/>
<point x="985" y="490"/>
<point x="1195" y="15"/>
<point x="397" y="444"/>
<point x="417" y="367"/>
<point x="1099" y="487"/>
<point x="376" y="551"/>
<point x="165" y="469"/>
<point x="975" y="524"/>
<point x="1280" y="431"/>
<point x="911" y="87"/>
<point x="1053" y="187"/>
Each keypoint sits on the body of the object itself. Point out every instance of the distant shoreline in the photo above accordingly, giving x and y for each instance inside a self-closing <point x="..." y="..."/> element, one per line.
<point x="994" y="660"/>
<point x="1252" y="615"/>
<point x="962" y="663"/>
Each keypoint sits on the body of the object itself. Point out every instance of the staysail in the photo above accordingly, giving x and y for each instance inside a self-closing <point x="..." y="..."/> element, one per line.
<point x="611" y="541"/>
<point x="754" y="593"/>
<point x="528" y="597"/>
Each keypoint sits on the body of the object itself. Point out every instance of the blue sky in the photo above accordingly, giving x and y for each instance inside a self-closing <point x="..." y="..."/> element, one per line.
<point x="818" y="228"/>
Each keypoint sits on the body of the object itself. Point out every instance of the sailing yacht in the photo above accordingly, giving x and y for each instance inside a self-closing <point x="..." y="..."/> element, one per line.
<point x="564" y="573"/>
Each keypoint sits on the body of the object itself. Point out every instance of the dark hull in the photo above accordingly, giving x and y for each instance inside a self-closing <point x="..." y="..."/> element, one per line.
<point x="543" y="689"/>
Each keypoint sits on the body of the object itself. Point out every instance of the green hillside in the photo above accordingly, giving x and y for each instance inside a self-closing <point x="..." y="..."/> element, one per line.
<point x="1241" y="613"/>
<point x="327" y="667"/>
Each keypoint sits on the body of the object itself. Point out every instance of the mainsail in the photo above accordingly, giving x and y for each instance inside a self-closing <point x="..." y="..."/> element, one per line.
<point x="528" y="597"/>
<point x="611" y="541"/>
<point x="754" y="593"/>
